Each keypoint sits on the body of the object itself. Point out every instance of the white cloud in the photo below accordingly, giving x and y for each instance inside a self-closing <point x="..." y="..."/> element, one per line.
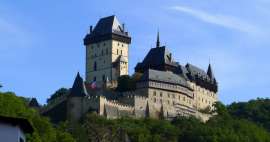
<point x="220" y="20"/>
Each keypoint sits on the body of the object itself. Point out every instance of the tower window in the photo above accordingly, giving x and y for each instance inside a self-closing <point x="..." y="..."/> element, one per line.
<point x="95" y="66"/>
<point x="104" y="44"/>
<point x="117" y="51"/>
<point x="121" y="52"/>
<point x="103" y="77"/>
<point x="122" y="45"/>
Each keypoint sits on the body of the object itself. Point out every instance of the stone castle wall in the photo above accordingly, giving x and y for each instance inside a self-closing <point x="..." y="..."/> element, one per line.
<point x="104" y="54"/>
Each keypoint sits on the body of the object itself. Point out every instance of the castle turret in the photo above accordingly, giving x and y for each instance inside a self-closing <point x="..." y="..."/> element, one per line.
<point x="106" y="51"/>
<point x="210" y="72"/>
<point x="75" y="108"/>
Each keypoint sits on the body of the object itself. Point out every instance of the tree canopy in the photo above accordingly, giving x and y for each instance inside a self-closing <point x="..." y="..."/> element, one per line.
<point x="126" y="83"/>
<point x="238" y="122"/>
<point x="221" y="128"/>
<point x="60" y="92"/>
<point x="14" y="106"/>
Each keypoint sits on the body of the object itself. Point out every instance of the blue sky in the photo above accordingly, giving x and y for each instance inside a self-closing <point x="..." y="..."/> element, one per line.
<point x="41" y="42"/>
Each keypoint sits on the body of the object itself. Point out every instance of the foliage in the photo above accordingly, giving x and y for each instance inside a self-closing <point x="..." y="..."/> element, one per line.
<point x="257" y="111"/>
<point x="126" y="83"/>
<point x="238" y="122"/>
<point x="124" y="129"/>
<point x="59" y="93"/>
<point x="220" y="128"/>
<point x="14" y="106"/>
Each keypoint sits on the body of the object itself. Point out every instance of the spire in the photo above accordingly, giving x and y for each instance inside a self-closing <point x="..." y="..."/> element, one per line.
<point x="210" y="72"/>
<point x="78" y="88"/>
<point x="157" y="43"/>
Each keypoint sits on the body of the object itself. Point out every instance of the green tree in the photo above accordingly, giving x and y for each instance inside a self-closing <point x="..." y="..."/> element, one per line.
<point x="14" y="106"/>
<point x="257" y="111"/>
<point x="126" y="83"/>
<point x="59" y="93"/>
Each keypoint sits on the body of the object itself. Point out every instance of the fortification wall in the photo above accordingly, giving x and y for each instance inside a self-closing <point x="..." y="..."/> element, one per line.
<point x="114" y="108"/>
<point x="140" y="103"/>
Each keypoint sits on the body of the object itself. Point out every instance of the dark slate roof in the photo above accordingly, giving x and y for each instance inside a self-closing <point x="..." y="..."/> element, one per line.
<point x="163" y="76"/>
<point x="182" y="71"/>
<point x="196" y="72"/>
<point x="24" y="124"/>
<point x="78" y="89"/>
<point x="105" y="28"/>
<point x="156" y="59"/>
<point x="34" y="103"/>
<point x="109" y="25"/>
<point x="210" y="72"/>
<point x="201" y="78"/>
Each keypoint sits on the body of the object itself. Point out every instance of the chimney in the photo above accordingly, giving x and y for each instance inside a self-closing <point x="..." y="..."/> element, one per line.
<point x="91" y="29"/>
<point x="123" y="25"/>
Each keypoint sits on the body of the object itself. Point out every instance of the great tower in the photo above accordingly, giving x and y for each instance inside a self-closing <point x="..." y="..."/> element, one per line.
<point x="107" y="51"/>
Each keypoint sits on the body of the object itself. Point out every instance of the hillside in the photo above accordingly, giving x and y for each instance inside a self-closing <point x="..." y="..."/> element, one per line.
<point x="238" y="122"/>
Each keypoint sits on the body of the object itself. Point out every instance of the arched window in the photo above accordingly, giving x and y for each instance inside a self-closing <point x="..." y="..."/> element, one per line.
<point x="95" y="66"/>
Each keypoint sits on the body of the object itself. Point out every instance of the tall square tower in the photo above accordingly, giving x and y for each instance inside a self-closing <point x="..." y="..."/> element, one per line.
<point x="106" y="51"/>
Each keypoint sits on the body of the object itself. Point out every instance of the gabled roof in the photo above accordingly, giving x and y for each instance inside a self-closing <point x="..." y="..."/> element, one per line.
<point x="164" y="76"/>
<point x="156" y="57"/>
<point x="24" y="124"/>
<point x="107" y="28"/>
<point x="78" y="89"/>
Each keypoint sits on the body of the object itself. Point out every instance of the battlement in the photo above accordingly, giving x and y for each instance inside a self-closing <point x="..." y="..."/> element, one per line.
<point x="133" y="94"/>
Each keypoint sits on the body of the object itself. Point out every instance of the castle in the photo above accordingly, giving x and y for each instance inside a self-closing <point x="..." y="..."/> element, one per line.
<point x="164" y="88"/>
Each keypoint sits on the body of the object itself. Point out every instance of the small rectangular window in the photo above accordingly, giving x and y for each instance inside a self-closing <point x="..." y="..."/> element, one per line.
<point x="103" y="77"/>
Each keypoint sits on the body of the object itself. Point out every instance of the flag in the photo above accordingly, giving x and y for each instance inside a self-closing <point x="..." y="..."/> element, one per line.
<point x="93" y="85"/>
